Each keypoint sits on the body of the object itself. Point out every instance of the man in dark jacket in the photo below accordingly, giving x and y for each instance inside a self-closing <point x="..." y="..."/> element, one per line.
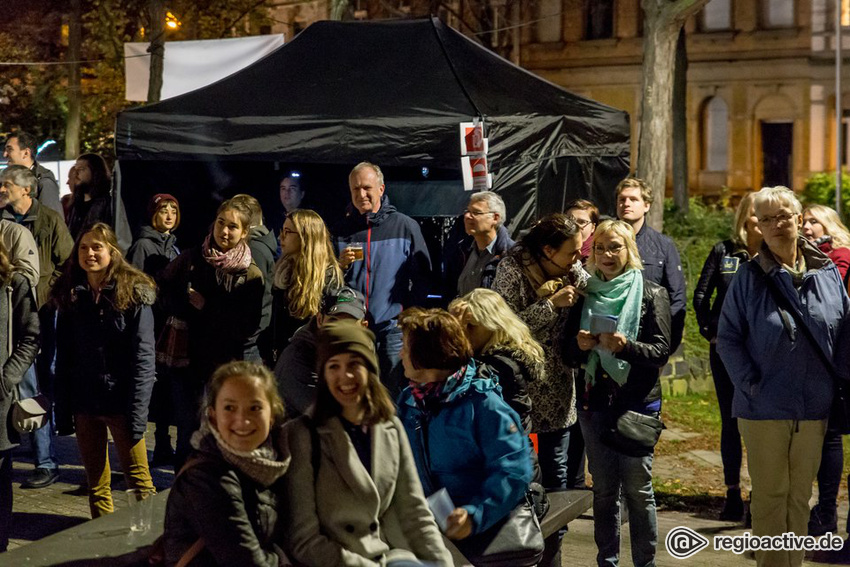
<point x="661" y="263"/>
<point x="17" y="185"/>
<point x="472" y="262"/>
<point x="391" y="268"/>
<point x="20" y="149"/>
<point x="296" y="367"/>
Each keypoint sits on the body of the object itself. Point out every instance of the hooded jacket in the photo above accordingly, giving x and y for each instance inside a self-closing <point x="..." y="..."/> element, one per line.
<point x="775" y="370"/>
<point x="48" y="189"/>
<point x="105" y="361"/>
<point x="153" y="250"/>
<point x="485" y="467"/>
<point x="396" y="268"/>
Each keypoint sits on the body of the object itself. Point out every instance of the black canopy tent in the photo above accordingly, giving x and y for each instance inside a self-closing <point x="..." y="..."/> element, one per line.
<point x="390" y="92"/>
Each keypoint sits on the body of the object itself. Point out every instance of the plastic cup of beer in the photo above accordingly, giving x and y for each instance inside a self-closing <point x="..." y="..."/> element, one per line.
<point x="357" y="248"/>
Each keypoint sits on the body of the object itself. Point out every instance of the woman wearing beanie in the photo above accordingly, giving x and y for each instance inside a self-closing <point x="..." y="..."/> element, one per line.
<point x="353" y="492"/>
<point x="217" y="290"/>
<point x="151" y="253"/>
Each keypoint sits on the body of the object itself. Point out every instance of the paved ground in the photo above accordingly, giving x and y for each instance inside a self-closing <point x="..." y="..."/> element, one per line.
<point x="38" y="513"/>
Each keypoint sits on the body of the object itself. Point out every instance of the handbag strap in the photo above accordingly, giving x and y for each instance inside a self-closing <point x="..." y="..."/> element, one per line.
<point x="16" y="394"/>
<point x="785" y="307"/>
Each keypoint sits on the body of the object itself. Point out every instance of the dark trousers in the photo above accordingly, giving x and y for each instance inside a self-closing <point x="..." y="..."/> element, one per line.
<point x="552" y="449"/>
<point x="162" y="409"/>
<point x="831" y="468"/>
<point x="186" y="395"/>
<point x="730" y="437"/>
<point x="576" y="459"/>
<point x="5" y="498"/>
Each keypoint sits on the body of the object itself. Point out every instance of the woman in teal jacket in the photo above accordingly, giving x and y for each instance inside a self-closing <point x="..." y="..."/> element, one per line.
<point x="486" y="468"/>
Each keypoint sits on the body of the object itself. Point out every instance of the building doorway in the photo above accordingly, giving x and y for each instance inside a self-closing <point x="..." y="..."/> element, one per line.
<point x="776" y="144"/>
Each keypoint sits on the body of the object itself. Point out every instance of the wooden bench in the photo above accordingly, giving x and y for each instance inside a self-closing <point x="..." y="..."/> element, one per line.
<point x="564" y="507"/>
<point x="106" y="541"/>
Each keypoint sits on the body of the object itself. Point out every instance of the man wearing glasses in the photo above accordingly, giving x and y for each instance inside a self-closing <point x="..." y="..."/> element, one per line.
<point x="474" y="263"/>
<point x="661" y="263"/>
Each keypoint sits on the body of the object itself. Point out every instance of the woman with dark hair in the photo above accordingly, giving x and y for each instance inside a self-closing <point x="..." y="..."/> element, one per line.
<point x="18" y="310"/>
<point x="621" y="369"/>
<point x="353" y="492"/>
<point x="539" y="279"/>
<point x="105" y="362"/>
<point x="217" y="290"/>
<point x="485" y="467"/>
<point x="719" y="269"/>
<point x="92" y="200"/>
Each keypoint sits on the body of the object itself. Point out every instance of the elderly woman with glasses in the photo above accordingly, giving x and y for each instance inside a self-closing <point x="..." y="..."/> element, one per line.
<point x="776" y="337"/>
<point x="621" y="362"/>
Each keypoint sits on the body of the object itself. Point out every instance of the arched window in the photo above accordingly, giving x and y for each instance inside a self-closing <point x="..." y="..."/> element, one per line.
<point x="715" y="128"/>
<point x="716" y="16"/>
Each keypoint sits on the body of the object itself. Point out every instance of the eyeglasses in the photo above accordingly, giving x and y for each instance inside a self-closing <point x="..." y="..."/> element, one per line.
<point x="781" y="218"/>
<point x="581" y="222"/>
<point x="476" y="214"/>
<point x="613" y="249"/>
<point x="287" y="232"/>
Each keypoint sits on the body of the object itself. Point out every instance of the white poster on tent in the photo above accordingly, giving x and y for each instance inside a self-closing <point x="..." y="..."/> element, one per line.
<point x="190" y="65"/>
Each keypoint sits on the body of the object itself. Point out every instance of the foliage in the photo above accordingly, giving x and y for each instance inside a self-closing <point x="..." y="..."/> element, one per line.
<point x="820" y="189"/>
<point x="694" y="234"/>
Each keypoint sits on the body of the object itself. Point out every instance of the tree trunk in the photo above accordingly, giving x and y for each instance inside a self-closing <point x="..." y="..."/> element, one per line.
<point x="156" y="9"/>
<point x="680" y="126"/>
<point x="75" y="41"/>
<point x="662" y="21"/>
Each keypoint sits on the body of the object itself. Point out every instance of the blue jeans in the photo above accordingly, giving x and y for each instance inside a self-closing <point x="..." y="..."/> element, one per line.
<point x="615" y="474"/>
<point x="44" y="454"/>
<point x="552" y="448"/>
<point x="388" y="337"/>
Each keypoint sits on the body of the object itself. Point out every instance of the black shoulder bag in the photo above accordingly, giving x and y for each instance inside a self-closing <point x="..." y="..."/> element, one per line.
<point x="839" y="415"/>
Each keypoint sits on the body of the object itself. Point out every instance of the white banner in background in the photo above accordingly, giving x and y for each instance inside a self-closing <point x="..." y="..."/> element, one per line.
<point x="190" y="65"/>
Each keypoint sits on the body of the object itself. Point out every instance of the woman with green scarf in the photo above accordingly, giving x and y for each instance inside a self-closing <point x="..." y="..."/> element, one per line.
<point x="622" y="338"/>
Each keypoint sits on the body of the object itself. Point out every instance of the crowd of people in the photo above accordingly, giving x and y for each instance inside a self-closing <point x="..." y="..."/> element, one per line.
<point x="315" y="389"/>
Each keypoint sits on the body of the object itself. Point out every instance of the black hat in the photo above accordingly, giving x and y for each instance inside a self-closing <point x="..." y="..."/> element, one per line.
<point x="344" y="301"/>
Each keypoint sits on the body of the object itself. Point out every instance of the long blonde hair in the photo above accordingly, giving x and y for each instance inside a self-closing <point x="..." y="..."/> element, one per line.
<point x="742" y="214"/>
<point x="831" y="224"/>
<point x="304" y="275"/>
<point x="487" y="308"/>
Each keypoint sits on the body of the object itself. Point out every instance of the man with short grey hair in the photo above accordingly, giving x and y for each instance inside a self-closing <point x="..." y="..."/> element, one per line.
<point x="478" y="254"/>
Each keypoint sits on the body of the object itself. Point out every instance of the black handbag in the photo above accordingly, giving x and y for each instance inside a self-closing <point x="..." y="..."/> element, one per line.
<point x="514" y="541"/>
<point x="839" y="414"/>
<point x="633" y="434"/>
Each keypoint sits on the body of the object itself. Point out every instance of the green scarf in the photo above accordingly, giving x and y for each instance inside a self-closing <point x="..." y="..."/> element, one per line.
<point x="623" y="297"/>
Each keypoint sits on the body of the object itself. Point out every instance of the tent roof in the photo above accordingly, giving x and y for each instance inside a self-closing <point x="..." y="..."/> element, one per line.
<point x="341" y="91"/>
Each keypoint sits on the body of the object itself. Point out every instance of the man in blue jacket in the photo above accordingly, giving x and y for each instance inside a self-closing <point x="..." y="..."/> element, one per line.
<point x="390" y="266"/>
<point x="661" y="263"/>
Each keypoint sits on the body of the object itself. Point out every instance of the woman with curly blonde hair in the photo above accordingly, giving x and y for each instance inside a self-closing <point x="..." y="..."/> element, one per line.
<point x="306" y="269"/>
<point x="823" y="227"/>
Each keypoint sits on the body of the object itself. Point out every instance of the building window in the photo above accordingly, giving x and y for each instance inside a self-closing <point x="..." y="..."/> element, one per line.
<point x="716" y="16"/>
<point x="599" y="22"/>
<point x="548" y="16"/>
<point x="777" y="13"/>
<point x="715" y="127"/>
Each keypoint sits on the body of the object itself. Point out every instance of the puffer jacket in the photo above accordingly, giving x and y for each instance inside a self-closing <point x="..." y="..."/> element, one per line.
<point x="235" y="516"/>
<point x="719" y="269"/>
<point x="396" y="268"/>
<point x="105" y="361"/>
<point x="775" y="370"/>
<point x="647" y="355"/>
<point x="17" y="306"/>
<point x="485" y="468"/>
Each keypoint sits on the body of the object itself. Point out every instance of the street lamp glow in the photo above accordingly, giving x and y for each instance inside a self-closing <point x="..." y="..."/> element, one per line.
<point x="171" y="21"/>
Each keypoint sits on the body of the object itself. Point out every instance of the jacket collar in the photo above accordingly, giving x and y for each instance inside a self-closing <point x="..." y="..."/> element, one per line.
<point x="815" y="259"/>
<point x="29" y="216"/>
<point x="337" y="447"/>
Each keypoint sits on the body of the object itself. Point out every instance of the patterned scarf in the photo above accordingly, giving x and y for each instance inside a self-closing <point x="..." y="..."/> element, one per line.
<point x="430" y="395"/>
<point x="230" y="266"/>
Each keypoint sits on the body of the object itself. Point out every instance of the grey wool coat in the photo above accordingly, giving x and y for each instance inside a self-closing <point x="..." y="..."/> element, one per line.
<point x="343" y="516"/>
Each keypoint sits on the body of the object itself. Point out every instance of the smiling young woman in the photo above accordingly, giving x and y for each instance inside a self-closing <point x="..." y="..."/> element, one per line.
<point x="362" y="453"/>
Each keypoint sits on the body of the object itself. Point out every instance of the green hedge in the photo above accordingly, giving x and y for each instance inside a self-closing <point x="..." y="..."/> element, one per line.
<point x="695" y="233"/>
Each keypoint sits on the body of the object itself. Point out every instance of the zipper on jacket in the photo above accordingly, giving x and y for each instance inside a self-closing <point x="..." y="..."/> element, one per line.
<point x="368" y="262"/>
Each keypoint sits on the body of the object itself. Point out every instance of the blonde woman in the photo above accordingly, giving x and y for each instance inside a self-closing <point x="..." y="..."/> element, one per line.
<point x="823" y="228"/>
<point x="306" y="269"/>
<point x="621" y="372"/>
<point x="720" y="267"/>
